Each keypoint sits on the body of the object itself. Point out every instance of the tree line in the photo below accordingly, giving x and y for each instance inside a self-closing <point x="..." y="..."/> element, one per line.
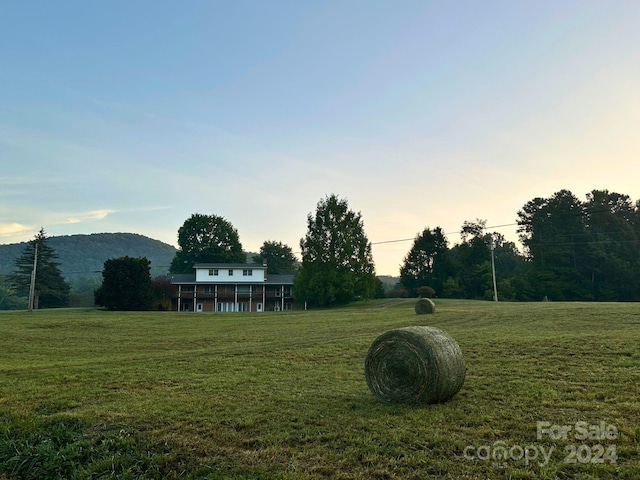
<point x="572" y="250"/>
<point x="582" y="250"/>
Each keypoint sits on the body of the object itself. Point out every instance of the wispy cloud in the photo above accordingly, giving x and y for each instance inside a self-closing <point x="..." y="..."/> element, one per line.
<point x="11" y="229"/>
<point x="98" y="214"/>
<point x="81" y="217"/>
<point x="103" y="107"/>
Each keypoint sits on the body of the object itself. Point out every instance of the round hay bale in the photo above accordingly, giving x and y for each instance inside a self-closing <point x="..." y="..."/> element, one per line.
<point x="414" y="365"/>
<point x="425" y="305"/>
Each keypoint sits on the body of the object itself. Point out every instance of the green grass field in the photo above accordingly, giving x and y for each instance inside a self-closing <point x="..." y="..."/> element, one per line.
<point x="95" y="394"/>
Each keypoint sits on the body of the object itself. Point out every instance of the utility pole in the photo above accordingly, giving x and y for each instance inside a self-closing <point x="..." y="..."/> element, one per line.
<point x="493" y="269"/>
<point x="32" y="288"/>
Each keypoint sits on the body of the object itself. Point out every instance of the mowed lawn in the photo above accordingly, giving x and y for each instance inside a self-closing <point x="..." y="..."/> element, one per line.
<point x="95" y="394"/>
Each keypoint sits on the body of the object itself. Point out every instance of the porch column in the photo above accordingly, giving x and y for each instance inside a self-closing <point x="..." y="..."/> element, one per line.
<point x="235" y="299"/>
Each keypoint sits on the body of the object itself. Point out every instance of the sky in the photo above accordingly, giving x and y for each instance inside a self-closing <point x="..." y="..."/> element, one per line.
<point x="130" y="116"/>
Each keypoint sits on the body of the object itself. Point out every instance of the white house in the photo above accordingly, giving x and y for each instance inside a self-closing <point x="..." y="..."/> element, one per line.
<point x="231" y="287"/>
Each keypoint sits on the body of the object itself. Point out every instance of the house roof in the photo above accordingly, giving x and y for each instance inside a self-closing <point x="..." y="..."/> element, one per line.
<point x="279" y="279"/>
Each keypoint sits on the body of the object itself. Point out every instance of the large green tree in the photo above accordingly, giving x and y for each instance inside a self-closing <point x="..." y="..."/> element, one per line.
<point x="206" y="239"/>
<point x="472" y="260"/>
<point x="427" y="263"/>
<point x="9" y="300"/>
<point x="126" y="284"/>
<point x="582" y="250"/>
<point x="337" y="264"/>
<point x="613" y="254"/>
<point x="50" y="290"/>
<point x="280" y="258"/>
<point x="512" y="271"/>
<point x="554" y="233"/>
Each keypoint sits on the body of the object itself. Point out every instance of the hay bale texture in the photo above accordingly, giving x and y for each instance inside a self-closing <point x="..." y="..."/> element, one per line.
<point x="424" y="306"/>
<point x="414" y="365"/>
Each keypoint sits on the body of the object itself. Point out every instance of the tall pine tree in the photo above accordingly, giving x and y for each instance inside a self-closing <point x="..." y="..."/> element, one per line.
<point x="427" y="263"/>
<point x="51" y="290"/>
<point x="337" y="264"/>
<point x="556" y="239"/>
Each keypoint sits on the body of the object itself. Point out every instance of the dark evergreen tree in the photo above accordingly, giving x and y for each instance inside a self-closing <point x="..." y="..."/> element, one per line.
<point x="50" y="290"/>
<point x="126" y="285"/>
<point x="427" y="263"/>
<point x="379" y="291"/>
<point x="337" y="265"/>
<point x="206" y="239"/>
<point x="473" y="229"/>
<point x="613" y="253"/>
<point x="512" y="270"/>
<point x="471" y="260"/>
<point x="279" y="257"/>
<point x="583" y="250"/>
<point x="555" y="236"/>
<point x="9" y="300"/>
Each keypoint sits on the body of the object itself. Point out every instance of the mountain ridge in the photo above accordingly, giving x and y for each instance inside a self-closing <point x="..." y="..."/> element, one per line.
<point x="82" y="256"/>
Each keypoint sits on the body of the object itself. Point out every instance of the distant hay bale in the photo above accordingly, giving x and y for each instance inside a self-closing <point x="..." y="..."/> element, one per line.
<point x="425" y="305"/>
<point x="414" y="365"/>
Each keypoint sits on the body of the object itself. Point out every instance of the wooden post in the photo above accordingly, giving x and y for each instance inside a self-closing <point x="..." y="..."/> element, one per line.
<point x="493" y="270"/>
<point x="32" y="287"/>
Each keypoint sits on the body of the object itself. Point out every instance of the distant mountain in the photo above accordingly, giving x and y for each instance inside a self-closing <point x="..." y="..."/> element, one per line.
<point x="388" y="281"/>
<point x="82" y="257"/>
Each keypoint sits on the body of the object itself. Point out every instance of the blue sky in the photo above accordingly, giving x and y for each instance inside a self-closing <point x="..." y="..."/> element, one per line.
<point x="130" y="116"/>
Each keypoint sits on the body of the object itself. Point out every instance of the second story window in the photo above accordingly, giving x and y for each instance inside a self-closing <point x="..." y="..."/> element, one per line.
<point x="213" y="272"/>
<point x="230" y="273"/>
<point x="247" y="273"/>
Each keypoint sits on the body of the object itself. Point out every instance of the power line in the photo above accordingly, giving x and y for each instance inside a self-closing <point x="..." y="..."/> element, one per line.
<point x="393" y="241"/>
<point x="446" y="233"/>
